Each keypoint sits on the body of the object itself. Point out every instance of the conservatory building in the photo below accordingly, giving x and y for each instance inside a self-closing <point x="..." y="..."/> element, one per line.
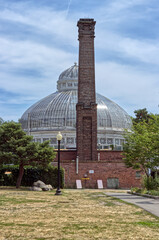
<point x="57" y="112"/>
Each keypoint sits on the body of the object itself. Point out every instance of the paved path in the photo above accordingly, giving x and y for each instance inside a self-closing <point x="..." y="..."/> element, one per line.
<point x="149" y="204"/>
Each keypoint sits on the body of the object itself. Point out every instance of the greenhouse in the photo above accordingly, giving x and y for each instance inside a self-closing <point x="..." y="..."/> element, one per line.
<point x="57" y="112"/>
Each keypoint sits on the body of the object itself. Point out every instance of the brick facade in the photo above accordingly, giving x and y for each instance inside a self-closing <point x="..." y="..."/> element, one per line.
<point x="109" y="166"/>
<point x="92" y="165"/>
<point x="86" y="129"/>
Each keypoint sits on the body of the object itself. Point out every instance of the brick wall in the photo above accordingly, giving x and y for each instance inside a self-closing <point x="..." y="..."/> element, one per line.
<point x="110" y="165"/>
<point x="86" y="130"/>
<point x="86" y="72"/>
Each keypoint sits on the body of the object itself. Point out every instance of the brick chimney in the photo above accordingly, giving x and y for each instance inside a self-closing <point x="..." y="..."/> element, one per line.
<point x="86" y="129"/>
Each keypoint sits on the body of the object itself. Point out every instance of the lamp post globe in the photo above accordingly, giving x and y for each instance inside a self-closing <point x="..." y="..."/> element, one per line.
<point x="59" y="138"/>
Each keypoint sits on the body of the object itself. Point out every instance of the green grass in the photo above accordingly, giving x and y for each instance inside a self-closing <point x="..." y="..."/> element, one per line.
<point x="150" y="224"/>
<point x="14" y="200"/>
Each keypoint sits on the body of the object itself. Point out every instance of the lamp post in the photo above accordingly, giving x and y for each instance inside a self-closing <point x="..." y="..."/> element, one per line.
<point x="59" y="138"/>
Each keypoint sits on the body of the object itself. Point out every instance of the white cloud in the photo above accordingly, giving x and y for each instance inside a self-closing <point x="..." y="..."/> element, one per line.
<point x="128" y="85"/>
<point x="115" y="12"/>
<point x="45" y="20"/>
<point x="143" y="50"/>
<point x="17" y="55"/>
<point x="118" y="6"/>
<point x="51" y="46"/>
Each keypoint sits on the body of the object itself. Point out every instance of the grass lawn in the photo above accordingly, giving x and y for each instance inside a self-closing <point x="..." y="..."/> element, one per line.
<point x="77" y="214"/>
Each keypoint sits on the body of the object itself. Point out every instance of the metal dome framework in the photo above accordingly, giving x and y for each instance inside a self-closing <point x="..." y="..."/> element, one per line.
<point x="58" y="112"/>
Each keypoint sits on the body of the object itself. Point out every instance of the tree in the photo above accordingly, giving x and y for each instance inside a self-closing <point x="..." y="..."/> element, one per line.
<point x="18" y="148"/>
<point x="1" y="121"/>
<point x="141" y="150"/>
<point x="141" y="115"/>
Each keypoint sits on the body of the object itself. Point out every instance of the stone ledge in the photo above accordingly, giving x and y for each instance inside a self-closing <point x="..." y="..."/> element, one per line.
<point x="143" y="195"/>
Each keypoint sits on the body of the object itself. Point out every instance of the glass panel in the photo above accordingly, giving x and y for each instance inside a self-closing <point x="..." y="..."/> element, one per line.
<point x="62" y="141"/>
<point x="106" y="147"/>
<point x="103" y="140"/>
<point x="138" y="174"/>
<point x="53" y="140"/>
<point x="69" y="140"/>
<point x="121" y="141"/>
<point x="118" y="148"/>
<point x="110" y="141"/>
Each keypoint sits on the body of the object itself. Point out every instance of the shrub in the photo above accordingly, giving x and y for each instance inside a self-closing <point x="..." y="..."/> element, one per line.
<point x="154" y="192"/>
<point x="31" y="174"/>
<point x="135" y="189"/>
<point x="151" y="183"/>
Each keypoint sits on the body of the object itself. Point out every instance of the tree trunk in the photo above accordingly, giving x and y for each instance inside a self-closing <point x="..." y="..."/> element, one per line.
<point x="20" y="176"/>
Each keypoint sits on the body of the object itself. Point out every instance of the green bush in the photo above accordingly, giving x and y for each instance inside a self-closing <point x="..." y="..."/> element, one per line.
<point x="135" y="189"/>
<point x="154" y="192"/>
<point x="31" y="174"/>
<point x="151" y="183"/>
<point x="139" y="190"/>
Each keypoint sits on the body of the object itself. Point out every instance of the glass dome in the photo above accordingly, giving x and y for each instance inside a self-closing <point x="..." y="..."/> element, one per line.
<point x="58" y="110"/>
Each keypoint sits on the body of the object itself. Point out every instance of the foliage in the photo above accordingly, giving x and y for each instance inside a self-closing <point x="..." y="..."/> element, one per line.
<point x="154" y="192"/>
<point x="141" y="115"/>
<point x="1" y="121"/>
<point x="31" y="174"/>
<point x="141" y="150"/>
<point x="18" y="148"/>
<point x="139" y="190"/>
<point x="145" y="191"/>
<point x="150" y="183"/>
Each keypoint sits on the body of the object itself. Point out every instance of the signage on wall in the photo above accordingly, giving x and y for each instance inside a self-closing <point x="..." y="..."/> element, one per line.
<point x="91" y="171"/>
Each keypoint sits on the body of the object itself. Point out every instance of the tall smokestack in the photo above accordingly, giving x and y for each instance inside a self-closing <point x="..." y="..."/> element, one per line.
<point x="86" y="107"/>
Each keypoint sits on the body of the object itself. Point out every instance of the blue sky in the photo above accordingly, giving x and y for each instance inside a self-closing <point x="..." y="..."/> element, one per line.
<point x="38" y="40"/>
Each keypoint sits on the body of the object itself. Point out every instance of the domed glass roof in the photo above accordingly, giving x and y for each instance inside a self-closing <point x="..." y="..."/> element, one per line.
<point x="58" y="110"/>
<point x="70" y="73"/>
<point x="68" y="80"/>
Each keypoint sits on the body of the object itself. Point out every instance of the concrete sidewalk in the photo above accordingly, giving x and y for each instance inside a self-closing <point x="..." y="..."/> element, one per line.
<point x="148" y="204"/>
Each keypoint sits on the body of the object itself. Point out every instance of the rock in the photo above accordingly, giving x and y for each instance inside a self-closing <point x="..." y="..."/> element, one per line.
<point x="35" y="188"/>
<point x="39" y="184"/>
<point x="50" y="187"/>
<point x="45" y="189"/>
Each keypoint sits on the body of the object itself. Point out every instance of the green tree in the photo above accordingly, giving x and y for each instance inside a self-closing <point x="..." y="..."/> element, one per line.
<point x="18" y="148"/>
<point x="141" y="150"/>
<point x="141" y="115"/>
<point x="1" y="121"/>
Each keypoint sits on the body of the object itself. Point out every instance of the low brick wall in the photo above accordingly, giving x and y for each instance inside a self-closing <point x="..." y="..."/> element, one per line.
<point x="110" y="166"/>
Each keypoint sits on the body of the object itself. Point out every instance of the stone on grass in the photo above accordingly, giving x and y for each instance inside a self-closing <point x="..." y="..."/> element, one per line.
<point x="41" y="185"/>
<point x="45" y="189"/>
<point x="50" y="187"/>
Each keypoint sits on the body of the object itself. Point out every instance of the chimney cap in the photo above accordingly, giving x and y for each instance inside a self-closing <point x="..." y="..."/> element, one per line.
<point x="86" y="20"/>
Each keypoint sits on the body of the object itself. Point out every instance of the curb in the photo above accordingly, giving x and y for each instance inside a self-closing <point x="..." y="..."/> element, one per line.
<point x="144" y="195"/>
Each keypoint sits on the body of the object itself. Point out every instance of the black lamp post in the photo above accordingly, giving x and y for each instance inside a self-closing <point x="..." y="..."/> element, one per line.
<point x="59" y="138"/>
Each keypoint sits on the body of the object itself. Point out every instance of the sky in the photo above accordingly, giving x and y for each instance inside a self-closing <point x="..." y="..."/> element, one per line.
<point x="39" y="40"/>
